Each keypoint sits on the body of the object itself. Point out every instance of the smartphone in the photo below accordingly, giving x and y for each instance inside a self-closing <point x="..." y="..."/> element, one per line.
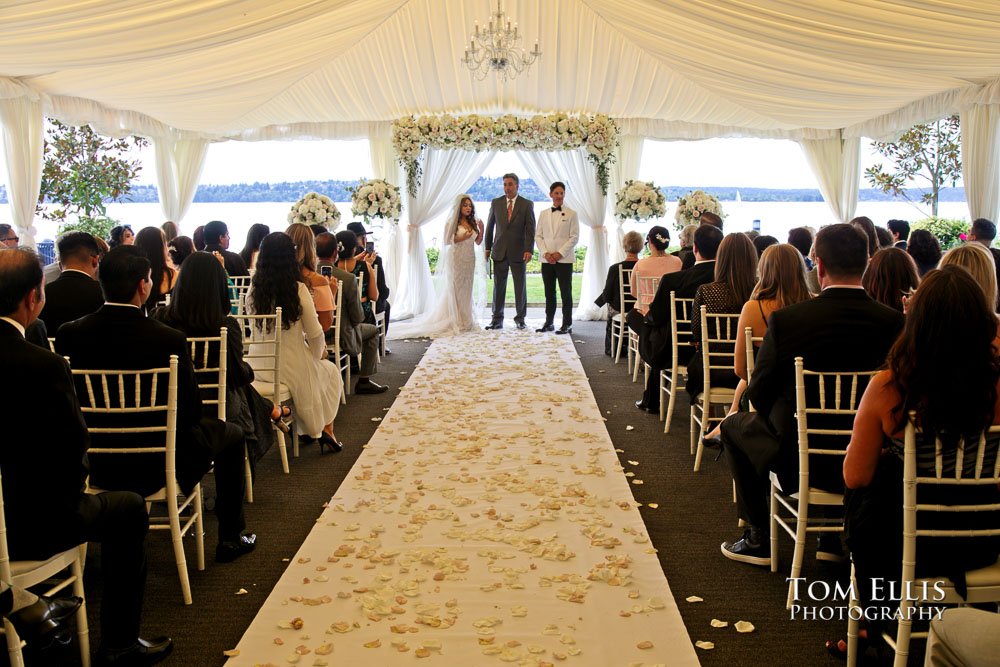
<point x="370" y="247"/>
<point x="327" y="271"/>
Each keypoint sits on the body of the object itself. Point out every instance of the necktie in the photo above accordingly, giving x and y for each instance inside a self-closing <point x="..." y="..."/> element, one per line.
<point x="557" y="208"/>
<point x="510" y="208"/>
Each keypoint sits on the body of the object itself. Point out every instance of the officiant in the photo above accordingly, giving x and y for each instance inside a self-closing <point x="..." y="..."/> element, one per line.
<point x="556" y="235"/>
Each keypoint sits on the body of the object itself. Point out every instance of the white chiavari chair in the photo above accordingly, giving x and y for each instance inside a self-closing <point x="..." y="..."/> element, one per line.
<point x="241" y="285"/>
<point x="333" y="350"/>
<point x="618" y="325"/>
<point x="718" y="351"/>
<point x="379" y="322"/>
<point x="680" y="333"/>
<point x="647" y="286"/>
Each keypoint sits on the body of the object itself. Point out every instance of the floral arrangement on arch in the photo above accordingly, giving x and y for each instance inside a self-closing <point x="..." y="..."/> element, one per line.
<point x="598" y="135"/>
<point x="376" y="198"/>
<point x="640" y="201"/>
<point x="690" y="208"/>
<point x="315" y="209"/>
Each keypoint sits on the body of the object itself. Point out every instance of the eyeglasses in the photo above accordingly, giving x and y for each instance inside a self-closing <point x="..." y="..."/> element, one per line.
<point x="11" y="238"/>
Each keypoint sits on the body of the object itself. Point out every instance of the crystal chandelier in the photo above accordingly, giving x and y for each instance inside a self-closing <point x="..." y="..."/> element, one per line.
<point x="495" y="47"/>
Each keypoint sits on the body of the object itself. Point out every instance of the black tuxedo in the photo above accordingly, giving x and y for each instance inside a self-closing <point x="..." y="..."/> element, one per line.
<point x="122" y="338"/>
<point x="899" y="244"/>
<point x="842" y="329"/>
<point x="235" y="266"/>
<point x="71" y="296"/>
<point x="43" y="460"/>
<point x="382" y="303"/>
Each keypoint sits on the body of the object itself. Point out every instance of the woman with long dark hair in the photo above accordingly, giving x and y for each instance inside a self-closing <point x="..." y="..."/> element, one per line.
<point x="952" y="399"/>
<point x="150" y="242"/>
<point x="866" y="225"/>
<point x="199" y="307"/>
<point x="891" y="275"/>
<point x="315" y="384"/>
<point x="925" y="250"/>
<point x="179" y="249"/>
<point x="120" y="235"/>
<point x="255" y="235"/>
<point x="170" y="231"/>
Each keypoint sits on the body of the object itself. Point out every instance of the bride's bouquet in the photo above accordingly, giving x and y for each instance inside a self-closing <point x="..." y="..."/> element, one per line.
<point x="376" y="198"/>
<point x="690" y="208"/>
<point x="315" y="209"/>
<point x="640" y="201"/>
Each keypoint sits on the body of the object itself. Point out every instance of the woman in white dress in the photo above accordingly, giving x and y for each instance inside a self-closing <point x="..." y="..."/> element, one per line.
<point x="315" y="384"/>
<point x="461" y="282"/>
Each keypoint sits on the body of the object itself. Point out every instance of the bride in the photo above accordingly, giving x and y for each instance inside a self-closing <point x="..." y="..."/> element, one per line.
<point x="461" y="282"/>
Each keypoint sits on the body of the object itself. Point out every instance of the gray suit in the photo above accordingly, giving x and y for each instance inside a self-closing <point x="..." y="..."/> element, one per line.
<point x="506" y="242"/>
<point x="356" y="337"/>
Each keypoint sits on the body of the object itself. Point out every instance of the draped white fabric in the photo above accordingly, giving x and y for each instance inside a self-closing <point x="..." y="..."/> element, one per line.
<point x="447" y="173"/>
<point x="23" y="143"/>
<point x="582" y="195"/>
<point x="179" y="164"/>
<point x="386" y="166"/>
<point x="628" y="156"/>
<point x="981" y="160"/>
<point x="836" y="164"/>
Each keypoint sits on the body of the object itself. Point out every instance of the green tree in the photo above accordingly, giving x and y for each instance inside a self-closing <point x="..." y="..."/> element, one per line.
<point x="83" y="171"/>
<point x="929" y="152"/>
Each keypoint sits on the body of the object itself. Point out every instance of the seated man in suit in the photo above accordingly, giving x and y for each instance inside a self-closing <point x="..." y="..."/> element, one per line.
<point x="356" y="336"/>
<point x="76" y="292"/>
<point x="654" y="328"/>
<point x="843" y="330"/>
<point x="707" y="218"/>
<point x="119" y="337"/>
<point x="43" y="459"/>
<point x="216" y="236"/>
<point x="611" y="296"/>
<point x="382" y="303"/>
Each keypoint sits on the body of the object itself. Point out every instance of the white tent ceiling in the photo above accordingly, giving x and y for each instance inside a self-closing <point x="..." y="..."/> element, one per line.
<point x="258" y="69"/>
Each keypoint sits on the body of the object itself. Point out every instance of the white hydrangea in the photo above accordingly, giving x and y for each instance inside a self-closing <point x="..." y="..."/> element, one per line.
<point x="640" y="201"/>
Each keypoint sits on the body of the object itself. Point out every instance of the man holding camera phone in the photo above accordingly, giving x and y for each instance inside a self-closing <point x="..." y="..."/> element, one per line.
<point x="382" y="303"/>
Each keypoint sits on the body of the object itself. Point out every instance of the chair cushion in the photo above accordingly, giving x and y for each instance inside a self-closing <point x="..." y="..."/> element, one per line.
<point x="266" y="389"/>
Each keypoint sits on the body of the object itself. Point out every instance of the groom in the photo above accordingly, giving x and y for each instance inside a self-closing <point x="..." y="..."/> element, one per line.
<point x="510" y="235"/>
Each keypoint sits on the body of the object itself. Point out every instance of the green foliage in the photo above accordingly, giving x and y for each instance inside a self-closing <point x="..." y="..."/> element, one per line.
<point x="84" y="170"/>
<point x="931" y="152"/>
<point x="946" y="230"/>
<point x="432" y="258"/>
<point x="96" y="226"/>
<point x="534" y="266"/>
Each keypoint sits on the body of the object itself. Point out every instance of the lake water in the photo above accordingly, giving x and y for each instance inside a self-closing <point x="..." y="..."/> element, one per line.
<point x="776" y="218"/>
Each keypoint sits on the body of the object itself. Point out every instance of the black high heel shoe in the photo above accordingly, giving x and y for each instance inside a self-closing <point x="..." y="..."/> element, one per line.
<point x="326" y="440"/>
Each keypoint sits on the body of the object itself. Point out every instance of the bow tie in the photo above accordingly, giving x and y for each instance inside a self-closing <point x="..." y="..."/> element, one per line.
<point x="557" y="208"/>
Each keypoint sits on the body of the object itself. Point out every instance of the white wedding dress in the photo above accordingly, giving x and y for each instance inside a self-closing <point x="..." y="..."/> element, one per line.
<point x="460" y="290"/>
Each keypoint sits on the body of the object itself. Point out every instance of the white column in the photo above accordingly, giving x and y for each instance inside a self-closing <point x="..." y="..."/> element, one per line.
<point x="23" y="141"/>
<point x="836" y="164"/>
<point x="179" y="163"/>
<point x="981" y="160"/>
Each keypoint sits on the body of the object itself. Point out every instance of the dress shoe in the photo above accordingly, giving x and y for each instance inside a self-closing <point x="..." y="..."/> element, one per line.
<point x="565" y="330"/>
<point x="326" y="440"/>
<point x="712" y="443"/>
<point x="45" y="615"/>
<point x="494" y="326"/>
<point x="227" y="552"/>
<point x="751" y="548"/>
<point x="645" y="408"/>
<point x="829" y="548"/>
<point x="521" y="326"/>
<point x="368" y="387"/>
<point x="545" y="327"/>
<point x="140" y="654"/>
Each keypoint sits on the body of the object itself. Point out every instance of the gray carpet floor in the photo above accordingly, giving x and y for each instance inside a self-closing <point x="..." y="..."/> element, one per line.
<point x="695" y="514"/>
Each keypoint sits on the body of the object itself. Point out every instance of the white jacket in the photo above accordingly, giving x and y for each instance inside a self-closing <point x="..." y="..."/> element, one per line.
<point x="557" y="231"/>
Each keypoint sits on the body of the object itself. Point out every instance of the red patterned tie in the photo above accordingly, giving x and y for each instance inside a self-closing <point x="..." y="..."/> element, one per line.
<point x="510" y="208"/>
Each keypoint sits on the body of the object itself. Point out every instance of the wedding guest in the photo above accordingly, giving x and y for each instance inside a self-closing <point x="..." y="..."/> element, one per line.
<point x="762" y="243"/>
<point x="978" y="261"/>
<point x="868" y="227"/>
<point x="900" y="230"/>
<point x="510" y="246"/>
<point x="170" y="231"/>
<point x="8" y="237"/>
<point x="686" y="239"/>
<point x="611" y="296"/>
<point x="953" y="400"/>
<point x="75" y="292"/>
<point x="216" y="235"/>
<point x="199" y="307"/>
<point x="382" y="303"/>
<point x="314" y="383"/>
<point x="198" y="237"/>
<point x="179" y="249"/>
<point x="150" y="242"/>
<point x="317" y="229"/>
<point x="885" y="238"/>
<point x="356" y="336"/>
<point x="40" y="524"/>
<point x="319" y="287"/>
<point x="102" y="246"/>
<point x="962" y="636"/>
<point x="890" y="277"/>
<point x="735" y="277"/>
<point x="255" y="235"/>
<point x="983" y="231"/>
<point x="925" y="250"/>
<point x="653" y="328"/>
<point x="352" y="258"/>
<point x="709" y="218"/>
<point x="657" y="265"/>
<point x="120" y="235"/>
<point x="842" y="329"/>
<point x="556" y="234"/>
<point x="35" y="617"/>
<point x="802" y="239"/>
<point x="120" y="337"/>
<point x="752" y="234"/>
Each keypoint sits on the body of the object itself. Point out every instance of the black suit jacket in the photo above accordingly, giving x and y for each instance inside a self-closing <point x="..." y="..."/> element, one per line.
<point x="122" y="338"/>
<point x="383" y="288"/>
<point x="235" y="266"/>
<point x="43" y="455"/>
<point x="654" y="337"/>
<point x="71" y="296"/>
<point x="612" y="289"/>
<point x="899" y="244"/>
<point x="842" y="329"/>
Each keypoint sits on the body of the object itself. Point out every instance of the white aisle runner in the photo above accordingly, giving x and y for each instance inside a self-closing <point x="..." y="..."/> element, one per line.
<point x="487" y="522"/>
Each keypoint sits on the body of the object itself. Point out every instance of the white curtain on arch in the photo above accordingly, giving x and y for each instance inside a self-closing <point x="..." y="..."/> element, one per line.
<point x="585" y="197"/>
<point x="981" y="160"/>
<point x="23" y="143"/>
<point x="179" y="163"/>
<point x="385" y="165"/>
<point x="628" y="156"/>
<point x="446" y="174"/>
<point x="836" y="164"/>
